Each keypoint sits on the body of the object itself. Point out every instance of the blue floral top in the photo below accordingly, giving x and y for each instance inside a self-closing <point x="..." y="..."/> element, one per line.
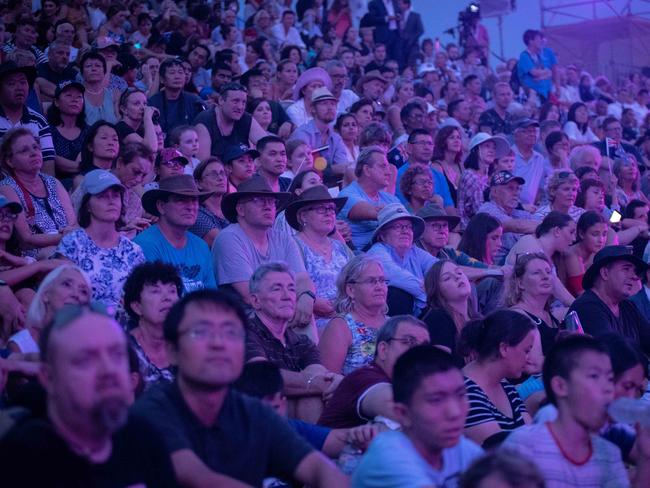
<point x="107" y="269"/>
<point x="323" y="273"/>
<point x="362" y="348"/>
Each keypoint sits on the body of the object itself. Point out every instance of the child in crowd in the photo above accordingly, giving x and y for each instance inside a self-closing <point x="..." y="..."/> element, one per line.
<point x="186" y="140"/>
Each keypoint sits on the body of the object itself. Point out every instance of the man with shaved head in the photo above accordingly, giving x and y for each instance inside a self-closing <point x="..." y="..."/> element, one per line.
<point x="87" y="437"/>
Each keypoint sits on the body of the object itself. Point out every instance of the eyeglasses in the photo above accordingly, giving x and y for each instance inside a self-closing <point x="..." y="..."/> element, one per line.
<point x="400" y="227"/>
<point x="203" y="334"/>
<point x="322" y="209"/>
<point x="371" y="281"/>
<point x="8" y="216"/>
<point x="214" y="174"/>
<point x="408" y="340"/>
<point x="172" y="163"/>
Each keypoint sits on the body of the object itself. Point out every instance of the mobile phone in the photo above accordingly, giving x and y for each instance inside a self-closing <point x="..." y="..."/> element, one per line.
<point x="615" y="217"/>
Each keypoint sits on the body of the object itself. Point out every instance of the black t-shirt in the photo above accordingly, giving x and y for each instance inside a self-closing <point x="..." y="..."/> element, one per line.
<point x="443" y="332"/>
<point x="123" y="130"/>
<point x="248" y="442"/>
<point x="45" y="71"/>
<point x="240" y="132"/>
<point x="34" y="455"/>
<point x="597" y="319"/>
<point x="173" y="113"/>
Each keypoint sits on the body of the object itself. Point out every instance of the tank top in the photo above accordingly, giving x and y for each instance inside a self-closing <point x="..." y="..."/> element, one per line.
<point x="106" y="111"/>
<point x="239" y="135"/>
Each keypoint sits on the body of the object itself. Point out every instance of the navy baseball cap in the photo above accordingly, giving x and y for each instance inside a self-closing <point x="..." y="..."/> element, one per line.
<point x="237" y="151"/>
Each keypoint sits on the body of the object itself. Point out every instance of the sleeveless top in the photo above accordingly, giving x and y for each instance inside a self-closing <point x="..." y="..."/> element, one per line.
<point x="362" y="349"/>
<point x="25" y="342"/>
<point x="44" y="215"/>
<point x="106" y="111"/>
<point x="322" y="273"/>
<point x="68" y="148"/>
<point x="151" y="374"/>
<point x="239" y="135"/>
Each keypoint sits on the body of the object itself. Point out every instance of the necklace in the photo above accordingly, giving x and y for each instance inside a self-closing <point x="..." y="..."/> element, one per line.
<point x="321" y="248"/>
<point x="91" y="92"/>
<point x="565" y="454"/>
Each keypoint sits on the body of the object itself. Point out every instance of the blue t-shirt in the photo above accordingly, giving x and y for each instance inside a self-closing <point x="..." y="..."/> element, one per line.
<point x="440" y="186"/>
<point x="362" y="229"/>
<point x="546" y="59"/>
<point x="312" y="433"/>
<point x="193" y="262"/>
<point x="393" y="462"/>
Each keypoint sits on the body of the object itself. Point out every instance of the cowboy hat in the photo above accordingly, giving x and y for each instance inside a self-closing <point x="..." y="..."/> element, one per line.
<point x="608" y="255"/>
<point x="311" y="196"/>
<point x="183" y="185"/>
<point x="434" y="212"/>
<point x="256" y="186"/>
<point x="370" y="76"/>
<point x="397" y="211"/>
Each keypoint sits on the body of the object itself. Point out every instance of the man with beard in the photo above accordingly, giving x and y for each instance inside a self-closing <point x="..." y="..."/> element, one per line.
<point x="216" y="436"/>
<point x="318" y="133"/>
<point x="605" y="307"/>
<point x="87" y="438"/>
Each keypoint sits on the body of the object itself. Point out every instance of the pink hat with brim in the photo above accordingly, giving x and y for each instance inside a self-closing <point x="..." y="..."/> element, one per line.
<point x="309" y="76"/>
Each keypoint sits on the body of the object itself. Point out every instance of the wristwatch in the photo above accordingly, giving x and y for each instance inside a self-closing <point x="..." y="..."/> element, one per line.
<point x="4" y="283"/>
<point x="308" y="293"/>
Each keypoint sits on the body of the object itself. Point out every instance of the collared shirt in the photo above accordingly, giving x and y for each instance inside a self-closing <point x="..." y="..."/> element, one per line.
<point x="37" y="124"/>
<point x="335" y="153"/>
<point x="527" y="62"/>
<point x="406" y="273"/>
<point x="534" y="170"/>
<point x="346" y="100"/>
<point x="247" y="441"/>
<point x="292" y="37"/>
<point x="295" y="354"/>
<point x="390" y="8"/>
<point x="509" y="238"/>
<point x="493" y="120"/>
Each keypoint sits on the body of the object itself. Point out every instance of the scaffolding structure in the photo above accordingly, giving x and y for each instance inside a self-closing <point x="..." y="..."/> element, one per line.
<point x="563" y="12"/>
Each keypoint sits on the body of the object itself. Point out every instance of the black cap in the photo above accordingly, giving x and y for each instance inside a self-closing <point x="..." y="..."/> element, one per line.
<point x="68" y="84"/>
<point x="525" y="122"/>
<point x="237" y="151"/>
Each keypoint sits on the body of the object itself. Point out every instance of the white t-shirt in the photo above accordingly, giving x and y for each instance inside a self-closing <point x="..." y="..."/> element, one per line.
<point x="604" y="469"/>
<point x="393" y="462"/>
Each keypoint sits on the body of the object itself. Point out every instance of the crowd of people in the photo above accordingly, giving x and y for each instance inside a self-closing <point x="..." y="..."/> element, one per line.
<point x="297" y="244"/>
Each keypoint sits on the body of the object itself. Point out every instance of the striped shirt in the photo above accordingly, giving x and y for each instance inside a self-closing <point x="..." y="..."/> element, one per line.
<point x="40" y="56"/>
<point x="482" y="410"/>
<point x="603" y="469"/>
<point x="38" y="126"/>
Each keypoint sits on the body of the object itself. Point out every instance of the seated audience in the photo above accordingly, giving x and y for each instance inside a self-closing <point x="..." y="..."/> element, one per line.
<point x="529" y="290"/>
<point x="482" y="239"/>
<point x="273" y="298"/>
<point x="200" y="417"/>
<point x="88" y="437"/>
<point x="176" y="204"/>
<point x="562" y="191"/>
<point x="211" y="177"/>
<point x="149" y="293"/>
<point x="450" y="306"/>
<point x="313" y="216"/>
<point x="605" y="306"/>
<point x="500" y="343"/>
<point x="405" y="264"/>
<point x="431" y="449"/>
<point x="347" y="341"/>
<point x="578" y="381"/>
<point x="97" y="247"/>
<point x="65" y="285"/>
<point x="505" y="189"/>
<point x="366" y="394"/>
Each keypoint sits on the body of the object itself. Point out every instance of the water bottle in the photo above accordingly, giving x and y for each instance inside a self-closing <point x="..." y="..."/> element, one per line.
<point x="630" y="411"/>
<point x="572" y="323"/>
<point x="349" y="458"/>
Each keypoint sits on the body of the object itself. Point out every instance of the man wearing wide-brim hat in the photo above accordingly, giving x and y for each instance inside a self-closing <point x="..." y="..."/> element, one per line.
<point x="605" y="307"/>
<point x="250" y="241"/>
<point x="435" y="240"/>
<point x="318" y="133"/>
<point x="176" y="204"/>
<point x="15" y="83"/>
<point x="372" y="85"/>
<point x="300" y="111"/>
<point x="404" y="263"/>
